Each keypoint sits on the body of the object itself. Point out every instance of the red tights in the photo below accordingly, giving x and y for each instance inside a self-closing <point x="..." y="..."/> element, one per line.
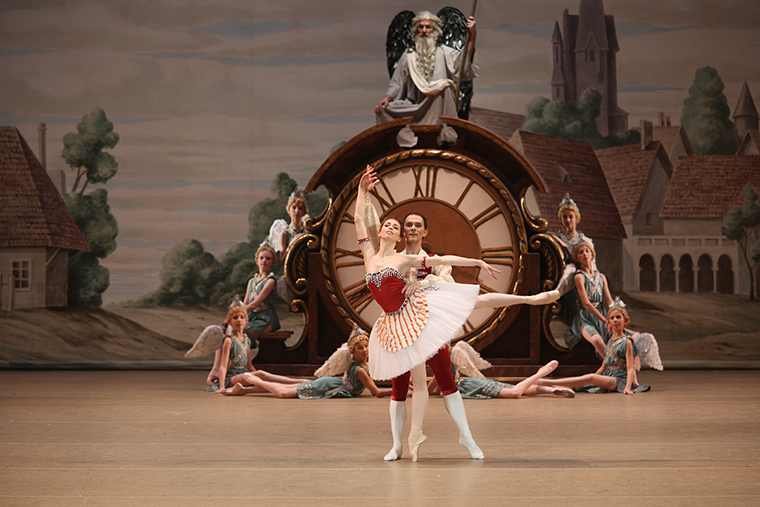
<point x="440" y="363"/>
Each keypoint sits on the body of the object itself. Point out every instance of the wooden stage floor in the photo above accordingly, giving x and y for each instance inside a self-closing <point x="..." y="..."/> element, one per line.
<point x="155" y="438"/>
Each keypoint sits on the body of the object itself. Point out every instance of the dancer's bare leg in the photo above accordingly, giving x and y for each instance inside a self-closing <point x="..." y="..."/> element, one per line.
<point x="497" y="300"/>
<point x="594" y="340"/>
<point x="602" y="381"/>
<point x="238" y="390"/>
<point x="271" y="377"/>
<point x="522" y="387"/>
<point x="535" y="390"/>
<point x="419" y="406"/>
<point x="281" y="390"/>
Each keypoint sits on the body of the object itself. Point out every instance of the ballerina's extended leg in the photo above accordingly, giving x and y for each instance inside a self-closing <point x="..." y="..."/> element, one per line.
<point x="497" y="300"/>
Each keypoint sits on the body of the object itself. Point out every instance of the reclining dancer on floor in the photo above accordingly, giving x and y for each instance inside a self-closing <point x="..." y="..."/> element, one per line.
<point x="350" y="359"/>
<point x="465" y="360"/>
<point x="414" y="326"/>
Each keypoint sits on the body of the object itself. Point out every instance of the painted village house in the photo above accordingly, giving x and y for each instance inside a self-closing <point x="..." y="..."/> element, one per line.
<point x="572" y="167"/>
<point x="691" y="255"/>
<point x="638" y="176"/>
<point x="673" y="212"/>
<point x="36" y="230"/>
<point x="674" y="139"/>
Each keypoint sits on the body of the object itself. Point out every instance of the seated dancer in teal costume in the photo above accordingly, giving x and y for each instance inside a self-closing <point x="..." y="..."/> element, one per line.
<point x="466" y="361"/>
<point x="262" y="318"/>
<point x="297" y="211"/>
<point x="350" y="359"/>
<point x="235" y="358"/>
<point x="594" y="295"/>
<point x="569" y="216"/>
<point x="618" y="371"/>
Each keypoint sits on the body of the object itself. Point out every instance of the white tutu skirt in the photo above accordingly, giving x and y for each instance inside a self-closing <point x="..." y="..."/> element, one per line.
<point x="449" y="305"/>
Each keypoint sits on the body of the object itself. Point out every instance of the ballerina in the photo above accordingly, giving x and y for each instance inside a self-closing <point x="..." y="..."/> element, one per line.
<point x="416" y="322"/>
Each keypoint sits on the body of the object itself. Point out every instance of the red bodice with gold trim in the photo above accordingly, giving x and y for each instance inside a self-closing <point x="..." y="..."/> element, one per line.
<point x="387" y="287"/>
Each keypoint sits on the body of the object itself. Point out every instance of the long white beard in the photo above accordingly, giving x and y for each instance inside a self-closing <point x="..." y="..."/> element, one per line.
<point x="425" y="47"/>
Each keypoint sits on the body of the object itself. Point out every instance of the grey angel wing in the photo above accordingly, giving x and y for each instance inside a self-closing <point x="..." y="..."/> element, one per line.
<point x="648" y="350"/>
<point x="338" y="362"/>
<point x="399" y="39"/>
<point x="454" y="27"/>
<point x="467" y="360"/>
<point x="210" y="339"/>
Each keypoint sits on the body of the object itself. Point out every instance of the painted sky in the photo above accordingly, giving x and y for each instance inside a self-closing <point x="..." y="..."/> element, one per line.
<point x="211" y="99"/>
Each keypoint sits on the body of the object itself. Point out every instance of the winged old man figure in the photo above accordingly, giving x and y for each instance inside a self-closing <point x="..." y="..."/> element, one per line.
<point x="424" y="57"/>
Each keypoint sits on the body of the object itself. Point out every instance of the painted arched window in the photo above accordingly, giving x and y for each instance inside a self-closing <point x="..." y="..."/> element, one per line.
<point x="685" y="274"/>
<point x="705" y="276"/>
<point x="725" y="279"/>
<point x="667" y="274"/>
<point x="647" y="274"/>
<point x="591" y="55"/>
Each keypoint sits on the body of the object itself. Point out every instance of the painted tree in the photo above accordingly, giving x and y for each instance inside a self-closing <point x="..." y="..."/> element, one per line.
<point x="574" y="120"/>
<point x="83" y="149"/>
<point x="706" y="115"/>
<point x="189" y="276"/>
<point x="741" y="225"/>
<point x="87" y="278"/>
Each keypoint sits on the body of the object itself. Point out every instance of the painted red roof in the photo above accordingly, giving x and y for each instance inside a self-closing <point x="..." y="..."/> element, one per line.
<point x="627" y="169"/>
<point x="668" y="135"/>
<point x="570" y="166"/>
<point x="708" y="186"/>
<point x="32" y="212"/>
<point x="501" y="124"/>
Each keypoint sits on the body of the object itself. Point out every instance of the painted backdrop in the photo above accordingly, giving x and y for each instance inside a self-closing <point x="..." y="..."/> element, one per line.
<point x="212" y="99"/>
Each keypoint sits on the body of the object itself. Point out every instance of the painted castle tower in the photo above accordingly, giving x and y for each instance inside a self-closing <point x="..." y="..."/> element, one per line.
<point x="745" y="116"/>
<point x="585" y="58"/>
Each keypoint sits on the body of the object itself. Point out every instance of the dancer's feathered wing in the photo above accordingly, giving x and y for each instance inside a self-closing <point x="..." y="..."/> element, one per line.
<point x="210" y="339"/>
<point x="337" y="363"/>
<point x="467" y="360"/>
<point x="567" y="280"/>
<point x="648" y="350"/>
<point x="275" y="231"/>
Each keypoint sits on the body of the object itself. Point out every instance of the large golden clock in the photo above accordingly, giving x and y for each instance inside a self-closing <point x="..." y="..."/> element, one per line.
<point x="470" y="213"/>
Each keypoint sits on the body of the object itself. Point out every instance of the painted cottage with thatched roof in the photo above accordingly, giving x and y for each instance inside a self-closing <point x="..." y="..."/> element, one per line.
<point x="36" y="230"/>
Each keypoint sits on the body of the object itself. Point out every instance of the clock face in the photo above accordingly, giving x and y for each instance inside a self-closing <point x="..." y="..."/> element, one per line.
<point x="469" y="214"/>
